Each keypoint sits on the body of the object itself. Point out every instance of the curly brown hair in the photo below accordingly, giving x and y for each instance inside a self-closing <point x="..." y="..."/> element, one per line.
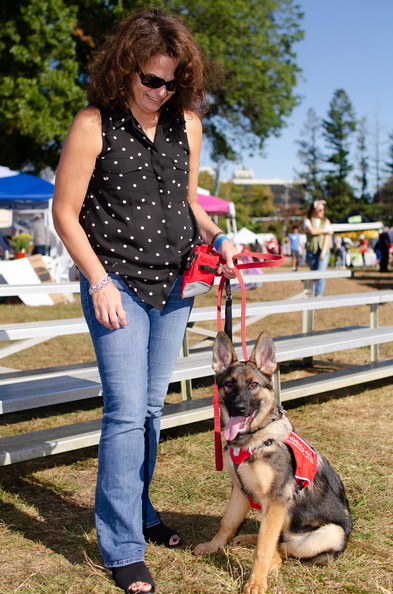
<point x="313" y="206"/>
<point x="138" y="38"/>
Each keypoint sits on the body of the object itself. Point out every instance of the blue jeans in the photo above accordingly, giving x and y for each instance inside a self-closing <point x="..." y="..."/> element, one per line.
<point x="315" y="263"/>
<point x="135" y="365"/>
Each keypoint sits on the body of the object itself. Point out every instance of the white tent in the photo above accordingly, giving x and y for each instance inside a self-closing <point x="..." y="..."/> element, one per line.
<point x="357" y="227"/>
<point x="244" y="237"/>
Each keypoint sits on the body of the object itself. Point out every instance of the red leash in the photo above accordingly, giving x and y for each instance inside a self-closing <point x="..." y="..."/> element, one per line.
<point x="266" y="260"/>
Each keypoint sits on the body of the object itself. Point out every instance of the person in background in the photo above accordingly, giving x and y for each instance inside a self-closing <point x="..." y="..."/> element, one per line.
<point x="363" y="247"/>
<point x="272" y="246"/>
<point x="383" y="248"/>
<point x="125" y="206"/>
<point x="294" y="246"/>
<point x="318" y="231"/>
<point x="40" y="235"/>
<point x="340" y="252"/>
<point x="4" y="247"/>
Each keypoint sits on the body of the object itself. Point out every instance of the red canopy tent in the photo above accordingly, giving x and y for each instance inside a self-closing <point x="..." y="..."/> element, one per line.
<point x="217" y="207"/>
<point x="214" y="205"/>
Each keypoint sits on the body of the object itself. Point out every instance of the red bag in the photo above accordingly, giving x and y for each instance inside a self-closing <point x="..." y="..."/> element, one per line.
<point x="199" y="277"/>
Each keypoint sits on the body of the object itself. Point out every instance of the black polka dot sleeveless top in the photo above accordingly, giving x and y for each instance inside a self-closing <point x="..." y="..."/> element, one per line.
<point x="136" y="214"/>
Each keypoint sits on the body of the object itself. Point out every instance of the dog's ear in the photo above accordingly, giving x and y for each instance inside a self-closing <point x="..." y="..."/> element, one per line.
<point x="223" y="353"/>
<point x="264" y="354"/>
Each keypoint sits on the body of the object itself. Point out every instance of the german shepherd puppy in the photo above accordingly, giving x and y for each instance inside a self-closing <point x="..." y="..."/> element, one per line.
<point x="302" y="519"/>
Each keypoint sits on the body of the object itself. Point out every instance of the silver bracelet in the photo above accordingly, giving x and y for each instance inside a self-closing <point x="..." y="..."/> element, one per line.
<point x="100" y="285"/>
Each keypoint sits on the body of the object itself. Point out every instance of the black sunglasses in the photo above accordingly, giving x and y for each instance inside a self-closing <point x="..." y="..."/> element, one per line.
<point x="155" y="82"/>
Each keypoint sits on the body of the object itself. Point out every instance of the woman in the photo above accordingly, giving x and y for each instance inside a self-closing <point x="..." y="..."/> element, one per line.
<point x="318" y="231"/>
<point x="125" y="205"/>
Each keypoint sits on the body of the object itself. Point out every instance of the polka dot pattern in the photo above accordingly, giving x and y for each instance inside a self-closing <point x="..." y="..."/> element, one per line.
<point x="136" y="214"/>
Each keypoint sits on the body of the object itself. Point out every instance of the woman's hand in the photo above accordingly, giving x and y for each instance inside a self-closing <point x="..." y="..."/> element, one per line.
<point x="108" y="308"/>
<point x="228" y="251"/>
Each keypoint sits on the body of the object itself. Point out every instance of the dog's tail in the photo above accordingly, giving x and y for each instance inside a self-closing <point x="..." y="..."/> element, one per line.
<point x="316" y="546"/>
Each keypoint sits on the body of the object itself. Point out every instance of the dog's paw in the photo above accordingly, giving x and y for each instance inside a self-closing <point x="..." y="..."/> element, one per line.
<point x="276" y="562"/>
<point x="206" y="548"/>
<point x="244" y="539"/>
<point x="255" y="587"/>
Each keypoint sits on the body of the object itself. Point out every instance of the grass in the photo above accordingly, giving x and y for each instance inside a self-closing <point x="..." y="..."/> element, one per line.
<point x="47" y="536"/>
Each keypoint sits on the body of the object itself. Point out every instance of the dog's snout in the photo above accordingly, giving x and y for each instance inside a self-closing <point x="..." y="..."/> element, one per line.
<point x="240" y="409"/>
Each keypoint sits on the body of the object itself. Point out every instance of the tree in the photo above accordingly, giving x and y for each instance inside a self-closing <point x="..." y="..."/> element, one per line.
<point x="311" y="158"/>
<point x="260" y="200"/>
<point x="39" y="87"/>
<point x="45" y="46"/>
<point x="337" y="130"/>
<point x="250" y="202"/>
<point x="389" y="163"/>
<point x="377" y="167"/>
<point x="384" y="202"/>
<point x="206" y="181"/>
<point x="362" y="178"/>
<point x="234" y="193"/>
<point x="252" y="40"/>
<point x="384" y="195"/>
<point x="365" y="202"/>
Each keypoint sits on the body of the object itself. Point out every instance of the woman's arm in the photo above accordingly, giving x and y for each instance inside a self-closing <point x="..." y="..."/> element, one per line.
<point x="81" y="148"/>
<point x="326" y="246"/>
<point x="308" y="228"/>
<point x="207" y="227"/>
<point x="326" y="242"/>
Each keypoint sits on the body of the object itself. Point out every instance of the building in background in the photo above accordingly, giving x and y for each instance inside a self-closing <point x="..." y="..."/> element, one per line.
<point x="286" y="192"/>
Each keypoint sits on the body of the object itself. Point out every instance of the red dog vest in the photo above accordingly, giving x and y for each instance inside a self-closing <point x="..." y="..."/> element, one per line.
<point x="305" y="458"/>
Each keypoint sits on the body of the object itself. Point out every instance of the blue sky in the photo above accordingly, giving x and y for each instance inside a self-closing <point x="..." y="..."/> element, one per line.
<point x="347" y="45"/>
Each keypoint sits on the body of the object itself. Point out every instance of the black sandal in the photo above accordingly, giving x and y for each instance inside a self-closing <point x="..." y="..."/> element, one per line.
<point x="127" y="575"/>
<point x="161" y="535"/>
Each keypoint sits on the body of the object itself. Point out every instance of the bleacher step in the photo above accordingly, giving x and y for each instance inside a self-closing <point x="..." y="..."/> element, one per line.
<point x="37" y="444"/>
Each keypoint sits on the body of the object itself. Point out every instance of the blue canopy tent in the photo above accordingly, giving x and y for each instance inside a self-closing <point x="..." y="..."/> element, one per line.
<point x="26" y="196"/>
<point x="20" y="191"/>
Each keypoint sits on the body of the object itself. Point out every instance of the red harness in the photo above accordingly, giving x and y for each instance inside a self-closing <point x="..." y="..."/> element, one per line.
<point x="305" y="458"/>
